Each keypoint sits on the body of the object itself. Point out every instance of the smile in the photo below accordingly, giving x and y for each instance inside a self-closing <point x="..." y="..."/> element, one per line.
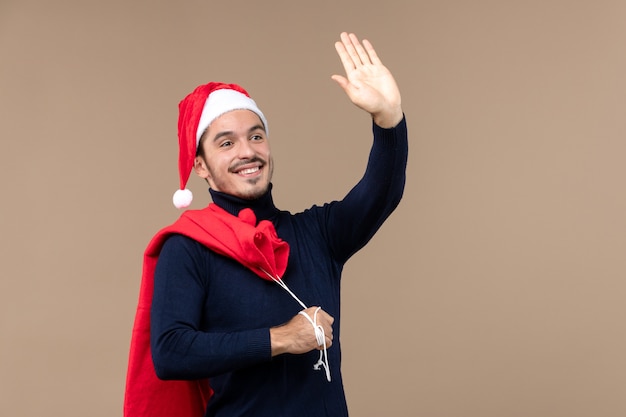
<point x="249" y="171"/>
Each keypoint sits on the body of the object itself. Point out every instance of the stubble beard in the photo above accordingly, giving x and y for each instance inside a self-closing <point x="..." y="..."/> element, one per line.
<point x="253" y="194"/>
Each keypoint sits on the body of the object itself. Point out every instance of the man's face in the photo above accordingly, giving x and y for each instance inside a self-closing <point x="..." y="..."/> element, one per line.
<point x="236" y="155"/>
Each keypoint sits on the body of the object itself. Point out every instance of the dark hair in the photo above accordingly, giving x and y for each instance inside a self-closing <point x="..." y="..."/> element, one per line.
<point x="200" y="148"/>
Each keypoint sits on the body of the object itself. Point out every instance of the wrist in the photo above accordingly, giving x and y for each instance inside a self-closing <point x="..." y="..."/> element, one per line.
<point x="278" y="341"/>
<point x="388" y="119"/>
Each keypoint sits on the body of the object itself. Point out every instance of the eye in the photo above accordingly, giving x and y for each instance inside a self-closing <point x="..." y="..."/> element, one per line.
<point x="225" y="144"/>
<point x="256" y="137"/>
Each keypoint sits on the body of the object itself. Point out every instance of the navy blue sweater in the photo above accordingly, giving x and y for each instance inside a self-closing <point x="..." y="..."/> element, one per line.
<point x="211" y="316"/>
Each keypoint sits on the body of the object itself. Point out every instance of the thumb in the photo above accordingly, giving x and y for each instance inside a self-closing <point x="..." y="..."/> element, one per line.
<point x="342" y="81"/>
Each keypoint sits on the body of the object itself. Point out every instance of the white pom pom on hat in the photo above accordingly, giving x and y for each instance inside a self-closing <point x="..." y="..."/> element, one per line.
<point x="182" y="198"/>
<point x="196" y="112"/>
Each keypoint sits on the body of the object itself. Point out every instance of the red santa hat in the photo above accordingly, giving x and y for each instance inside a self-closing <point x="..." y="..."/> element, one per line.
<point x="196" y="112"/>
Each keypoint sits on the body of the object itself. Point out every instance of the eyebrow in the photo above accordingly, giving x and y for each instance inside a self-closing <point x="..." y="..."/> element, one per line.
<point x="230" y="132"/>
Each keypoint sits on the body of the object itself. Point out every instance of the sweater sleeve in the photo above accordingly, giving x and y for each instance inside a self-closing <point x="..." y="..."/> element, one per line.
<point x="180" y="349"/>
<point x="353" y="221"/>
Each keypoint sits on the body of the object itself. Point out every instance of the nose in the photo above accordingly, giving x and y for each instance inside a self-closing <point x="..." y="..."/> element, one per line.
<point x="245" y="151"/>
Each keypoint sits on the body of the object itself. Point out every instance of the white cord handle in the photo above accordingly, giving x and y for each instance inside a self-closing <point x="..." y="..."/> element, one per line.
<point x="320" y="336"/>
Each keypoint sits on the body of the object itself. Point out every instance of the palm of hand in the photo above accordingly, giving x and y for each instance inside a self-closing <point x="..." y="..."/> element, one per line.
<point x="372" y="88"/>
<point x="368" y="83"/>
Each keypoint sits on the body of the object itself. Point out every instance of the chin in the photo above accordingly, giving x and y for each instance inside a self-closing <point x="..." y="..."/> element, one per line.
<point x="254" y="193"/>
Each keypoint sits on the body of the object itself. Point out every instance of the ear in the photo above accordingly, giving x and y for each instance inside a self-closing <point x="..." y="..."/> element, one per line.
<point x="200" y="167"/>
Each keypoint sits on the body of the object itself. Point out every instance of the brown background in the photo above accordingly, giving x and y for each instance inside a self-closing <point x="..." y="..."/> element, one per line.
<point x="496" y="289"/>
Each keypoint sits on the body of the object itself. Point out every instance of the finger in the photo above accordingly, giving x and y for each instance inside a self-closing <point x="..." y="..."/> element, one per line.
<point x="348" y="44"/>
<point x="329" y="343"/>
<point x="348" y="64"/>
<point x="342" y="81"/>
<point x="371" y="52"/>
<point x="360" y="51"/>
<point x="328" y="319"/>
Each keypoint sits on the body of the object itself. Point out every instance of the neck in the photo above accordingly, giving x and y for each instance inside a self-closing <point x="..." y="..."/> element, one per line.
<point x="263" y="207"/>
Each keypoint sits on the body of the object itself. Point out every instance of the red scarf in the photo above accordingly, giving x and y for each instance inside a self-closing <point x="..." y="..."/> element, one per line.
<point x="255" y="247"/>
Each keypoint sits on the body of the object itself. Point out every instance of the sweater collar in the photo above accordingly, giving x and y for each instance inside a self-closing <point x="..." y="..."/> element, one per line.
<point x="263" y="207"/>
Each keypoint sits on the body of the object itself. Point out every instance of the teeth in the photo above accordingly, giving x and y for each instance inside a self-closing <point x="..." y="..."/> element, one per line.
<point x="249" y="171"/>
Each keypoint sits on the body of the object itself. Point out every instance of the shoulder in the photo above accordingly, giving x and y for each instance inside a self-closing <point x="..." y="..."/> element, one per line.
<point x="178" y="248"/>
<point x="179" y="240"/>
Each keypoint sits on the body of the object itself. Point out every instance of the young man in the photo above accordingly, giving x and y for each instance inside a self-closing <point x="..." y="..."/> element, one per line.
<point x="241" y="301"/>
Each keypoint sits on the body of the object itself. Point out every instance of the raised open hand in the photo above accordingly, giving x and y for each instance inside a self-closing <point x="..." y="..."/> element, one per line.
<point x="368" y="83"/>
